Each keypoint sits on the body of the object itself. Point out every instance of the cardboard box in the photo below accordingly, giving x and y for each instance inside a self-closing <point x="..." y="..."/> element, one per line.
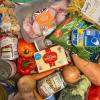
<point x="50" y="58"/>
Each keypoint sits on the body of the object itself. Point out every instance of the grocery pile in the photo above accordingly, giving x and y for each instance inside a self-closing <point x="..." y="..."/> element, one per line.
<point x="49" y="50"/>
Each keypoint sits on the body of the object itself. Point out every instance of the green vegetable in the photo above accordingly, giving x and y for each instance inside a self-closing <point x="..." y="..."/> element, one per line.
<point x="77" y="92"/>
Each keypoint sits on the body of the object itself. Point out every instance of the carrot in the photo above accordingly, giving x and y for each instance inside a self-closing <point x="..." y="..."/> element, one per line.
<point x="90" y="69"/>
<point x="37" y="96"/>
<point x="38" y="76"/>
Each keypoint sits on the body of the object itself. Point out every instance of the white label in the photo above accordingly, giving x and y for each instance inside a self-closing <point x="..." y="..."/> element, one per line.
<point x="46" y="88"/>
<point x="91" y="9"/>
<point x="52" y="84"/>
<point x="9" y="48"/>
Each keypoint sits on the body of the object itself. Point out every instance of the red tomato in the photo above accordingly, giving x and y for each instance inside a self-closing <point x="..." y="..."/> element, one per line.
<point x="93" y="93"/>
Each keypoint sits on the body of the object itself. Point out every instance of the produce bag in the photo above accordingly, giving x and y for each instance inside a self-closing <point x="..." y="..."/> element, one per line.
<point x="63" y="36"/>
<point x="27" y="10"/>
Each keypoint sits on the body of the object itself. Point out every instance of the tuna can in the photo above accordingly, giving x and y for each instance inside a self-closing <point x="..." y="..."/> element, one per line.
<point x="6" y="89"/>
<point x="7" y="69"/>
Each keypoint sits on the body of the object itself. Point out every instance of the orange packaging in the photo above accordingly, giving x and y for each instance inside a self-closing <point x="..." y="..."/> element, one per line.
<point x="46" y="21"/>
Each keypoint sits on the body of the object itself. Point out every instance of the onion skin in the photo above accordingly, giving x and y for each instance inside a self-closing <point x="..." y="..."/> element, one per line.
<point x="71" y="74"/>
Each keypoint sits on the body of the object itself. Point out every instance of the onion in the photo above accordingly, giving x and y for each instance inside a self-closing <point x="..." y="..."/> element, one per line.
<point x="71" y="74"/>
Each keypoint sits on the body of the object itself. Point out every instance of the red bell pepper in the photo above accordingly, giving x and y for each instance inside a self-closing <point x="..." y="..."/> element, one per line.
<point x="25" y="49"/>
<point x="25" y="65"/>
<point x="93" y="93"/>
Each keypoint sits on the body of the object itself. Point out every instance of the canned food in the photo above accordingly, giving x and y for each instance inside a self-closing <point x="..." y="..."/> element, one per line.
<point x="6" y="89"/>
<point x="3" y="93"/>
<point x="7" y="69"/>
<point x="52" y="97"/>
<point x="8" y="47"/>
<point x="51" y="84"/>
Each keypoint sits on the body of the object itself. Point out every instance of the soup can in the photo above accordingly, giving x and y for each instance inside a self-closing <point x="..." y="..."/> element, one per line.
<point x="7" y="69"/>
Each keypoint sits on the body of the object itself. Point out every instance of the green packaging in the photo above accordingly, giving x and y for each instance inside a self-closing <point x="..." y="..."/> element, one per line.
<point x="62" y="36"/>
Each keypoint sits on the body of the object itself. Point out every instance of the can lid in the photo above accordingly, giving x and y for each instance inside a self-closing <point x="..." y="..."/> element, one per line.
<point x="5" y="70"/>
<point x="3" y="93"/>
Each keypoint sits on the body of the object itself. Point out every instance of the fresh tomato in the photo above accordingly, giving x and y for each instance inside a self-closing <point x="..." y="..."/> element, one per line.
<point x="93" y="93"/>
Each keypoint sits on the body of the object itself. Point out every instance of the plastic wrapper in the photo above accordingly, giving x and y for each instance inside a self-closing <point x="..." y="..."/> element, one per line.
<point x="87" y="9"/>
<point x="29" y="9"/>
<point x="62" y="36"/>
<point x="8" y="21"/>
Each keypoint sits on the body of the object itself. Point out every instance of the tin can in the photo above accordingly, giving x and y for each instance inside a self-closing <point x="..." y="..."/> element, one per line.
<point x="8" y="47"/>
<point x="51" y="84"/>
<point x="52" y="97"/>
<point x="6" y="89"/>
<point x="3" y="93"/>
<point x="7" y="69"/>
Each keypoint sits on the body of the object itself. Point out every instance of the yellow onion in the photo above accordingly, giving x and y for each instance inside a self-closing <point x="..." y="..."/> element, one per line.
<point x="71" y="74"/>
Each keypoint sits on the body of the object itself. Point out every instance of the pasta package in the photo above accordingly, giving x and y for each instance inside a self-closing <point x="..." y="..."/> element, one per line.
<point x="87" y="9"/>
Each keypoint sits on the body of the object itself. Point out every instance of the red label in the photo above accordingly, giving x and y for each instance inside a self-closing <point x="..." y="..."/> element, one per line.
<point x="50" y="58"/>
